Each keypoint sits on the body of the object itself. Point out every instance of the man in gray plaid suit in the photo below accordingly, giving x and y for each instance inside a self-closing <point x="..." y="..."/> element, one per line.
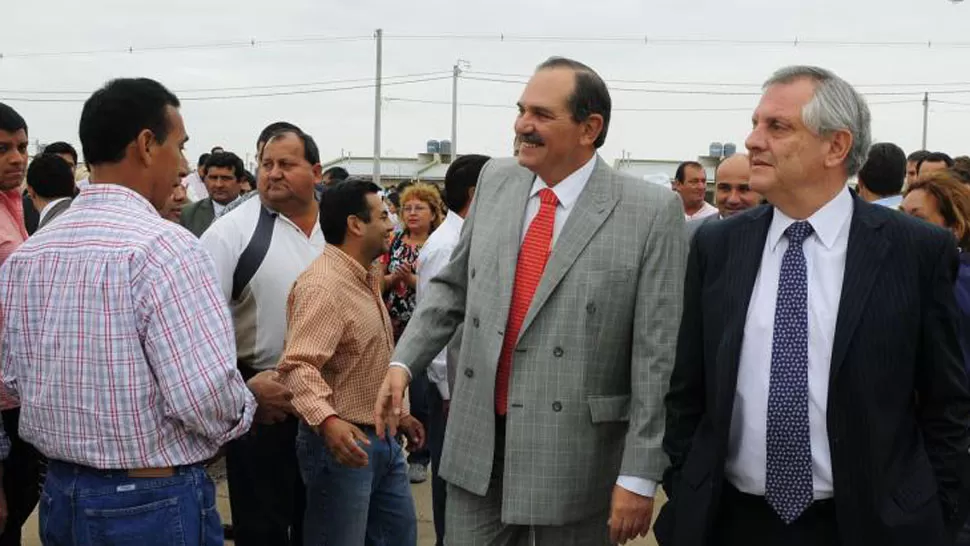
<point x="557" y="414"/>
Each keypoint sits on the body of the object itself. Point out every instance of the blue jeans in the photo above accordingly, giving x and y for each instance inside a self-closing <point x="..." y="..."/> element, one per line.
<point x="82" y="506"/>
<point x="351" y="506"/>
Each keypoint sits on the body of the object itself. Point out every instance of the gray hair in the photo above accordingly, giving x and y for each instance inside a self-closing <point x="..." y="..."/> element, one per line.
<point x="836" y="106"/>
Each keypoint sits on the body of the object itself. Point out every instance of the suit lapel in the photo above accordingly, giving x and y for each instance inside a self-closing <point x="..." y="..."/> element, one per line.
<point x="741" y="266"/>
<point x="593" y="207"/>
<point x="864" y="257"/>
<point x="516" y="191"/>
<point x="208" y="211"/>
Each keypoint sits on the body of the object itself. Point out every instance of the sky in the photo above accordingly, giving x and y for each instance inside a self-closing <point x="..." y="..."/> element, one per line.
<point x="695" y="48"/>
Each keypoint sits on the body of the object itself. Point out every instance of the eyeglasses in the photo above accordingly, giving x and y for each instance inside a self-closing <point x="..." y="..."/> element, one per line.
<point x="415" y="208"/>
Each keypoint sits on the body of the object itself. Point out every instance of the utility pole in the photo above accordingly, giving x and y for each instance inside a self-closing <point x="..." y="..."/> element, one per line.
<point x="377" y="110"/>
<point x="454" y="111"/>
<point x="926" y="116"/>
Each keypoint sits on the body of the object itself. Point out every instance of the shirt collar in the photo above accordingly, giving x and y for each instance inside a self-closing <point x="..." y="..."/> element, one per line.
<point x="452" y="220"/>
<point x="569" y="189"/>
<point x="347" y="263"/>
<point x="827" y="222"/>
<point x="101" y="193"/>
<point x="47" y="208"/>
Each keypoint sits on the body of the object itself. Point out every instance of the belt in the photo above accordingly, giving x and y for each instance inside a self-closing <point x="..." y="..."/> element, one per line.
<point x="166" y="472"/>
<point x="162" y="472"/>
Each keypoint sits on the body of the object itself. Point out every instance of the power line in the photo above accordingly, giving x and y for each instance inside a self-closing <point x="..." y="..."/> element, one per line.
<point x="728" y="84"/>
<point x="719" y="93"/>
<point x="130" y="49"/>
<point x="239" y="88"/>
<point x="242" y="96"/>
<point x="642" y="41"/>
<point x="674" y="109"/>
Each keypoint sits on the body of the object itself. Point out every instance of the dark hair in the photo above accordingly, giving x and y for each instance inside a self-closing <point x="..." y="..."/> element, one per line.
<point x="462" y="174"/>
<point x="342" y="200"/>
<point x="918" y="156"/>
<point x="272" y="129"/>
<point x="228" y="160"/>
<point x="884" y="171"/>
<point x="50" y="177"/>
<point x="61" y="147"/>
<point x="935" y="157"/>
<point x="248" y="177"/>
<point x="395" y="198"/>
<point x="217" y="149"/>
<point x="590" y="95"/>
<point x="115" y="114"/>
<point x="10" y="120"/>
<point x="680" y="175"/>
<point x="202" y="159"/>
<point x="310" y="151"/>
<point x="337" y="174"/>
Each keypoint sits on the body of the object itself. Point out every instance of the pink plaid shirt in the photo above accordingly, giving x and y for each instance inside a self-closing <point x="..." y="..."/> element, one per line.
<point x="115" y="335"/>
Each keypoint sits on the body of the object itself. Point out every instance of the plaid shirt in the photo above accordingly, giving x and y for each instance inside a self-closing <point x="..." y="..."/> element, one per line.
<point x="338" y="340"/>
<point x="115" y="335"/>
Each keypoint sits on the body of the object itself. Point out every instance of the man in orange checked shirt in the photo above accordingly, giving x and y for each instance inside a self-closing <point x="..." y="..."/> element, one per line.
<point x="338" y="343"/>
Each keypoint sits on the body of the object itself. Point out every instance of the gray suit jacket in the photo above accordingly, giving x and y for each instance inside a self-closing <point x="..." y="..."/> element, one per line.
<point x="54" y="212"/>
<point x="198" y="216"/>
<point x="694" y="225"/>
<point x="594" y="354"/>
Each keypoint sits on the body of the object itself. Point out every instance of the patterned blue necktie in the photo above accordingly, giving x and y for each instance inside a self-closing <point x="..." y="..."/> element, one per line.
<point x="788" y="484"/>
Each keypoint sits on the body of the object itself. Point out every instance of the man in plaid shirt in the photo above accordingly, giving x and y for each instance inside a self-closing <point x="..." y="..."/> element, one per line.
<point x="116" y="338"/>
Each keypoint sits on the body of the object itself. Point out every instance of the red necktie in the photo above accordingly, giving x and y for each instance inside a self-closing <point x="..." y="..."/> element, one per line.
<point x="533" y="256"/>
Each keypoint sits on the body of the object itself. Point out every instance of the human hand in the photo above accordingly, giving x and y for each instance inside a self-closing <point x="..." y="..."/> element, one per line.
<point x="630" y="515"/>
<point x="387" y="408"/>
<point x="272" y="397"/>
<point x="343" y="439"/>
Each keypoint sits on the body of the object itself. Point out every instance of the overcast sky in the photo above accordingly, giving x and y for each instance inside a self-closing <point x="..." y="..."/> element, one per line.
<point x="342" y="121"/>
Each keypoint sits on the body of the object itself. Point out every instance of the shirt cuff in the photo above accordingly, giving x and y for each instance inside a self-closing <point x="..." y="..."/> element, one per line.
<point x="640" y="486"/>
<point x="443" y="389"/>
<point x="400" y="365"/>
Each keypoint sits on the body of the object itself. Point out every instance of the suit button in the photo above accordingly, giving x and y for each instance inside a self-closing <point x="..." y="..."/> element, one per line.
<point x="590" y="308"/>
<point x="557" y="352"/>
<point x="469" y="372"/>
<point x="557" y="406"/>
<point x="473" y="272"/>
<point x="475" y="322"/>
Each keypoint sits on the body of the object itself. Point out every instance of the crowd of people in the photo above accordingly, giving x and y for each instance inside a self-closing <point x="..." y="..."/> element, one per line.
<point x="553" y="338"/>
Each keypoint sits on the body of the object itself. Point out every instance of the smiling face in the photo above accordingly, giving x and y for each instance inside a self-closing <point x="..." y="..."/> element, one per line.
<point x="552" y="143"/>
<point x="693" y="188"/>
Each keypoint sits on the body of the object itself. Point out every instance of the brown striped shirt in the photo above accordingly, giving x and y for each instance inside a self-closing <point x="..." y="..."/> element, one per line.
<point x="338" y="340"/>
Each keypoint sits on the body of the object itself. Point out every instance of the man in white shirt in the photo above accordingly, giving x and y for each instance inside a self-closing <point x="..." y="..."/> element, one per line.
<point x="460" y="182"/>
<point x="223" y="174"/>
<point x="690" y="181"/>
<point x="819" y="396"/>
<point x="732" y="192"/>
<point x="194" y="183"/>
<point x="260" y="248"/>
<point x="50" y="186"/>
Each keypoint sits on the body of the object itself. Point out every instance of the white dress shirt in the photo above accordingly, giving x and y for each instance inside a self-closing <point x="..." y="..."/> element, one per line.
<point x="566" y="191"/>
<point x="706" y="210"/>
<point x="47" y="208"/>
<point x="434" y="256"/>
<point x="825" y="252"/>
<point x="218" y="208"/>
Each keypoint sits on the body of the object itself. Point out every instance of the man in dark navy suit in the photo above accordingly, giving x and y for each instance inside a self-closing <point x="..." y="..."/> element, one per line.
<point x="818" y="395"/>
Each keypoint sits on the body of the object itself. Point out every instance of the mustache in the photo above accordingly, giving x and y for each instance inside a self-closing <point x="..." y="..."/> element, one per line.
<point x="531" y="138"/>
